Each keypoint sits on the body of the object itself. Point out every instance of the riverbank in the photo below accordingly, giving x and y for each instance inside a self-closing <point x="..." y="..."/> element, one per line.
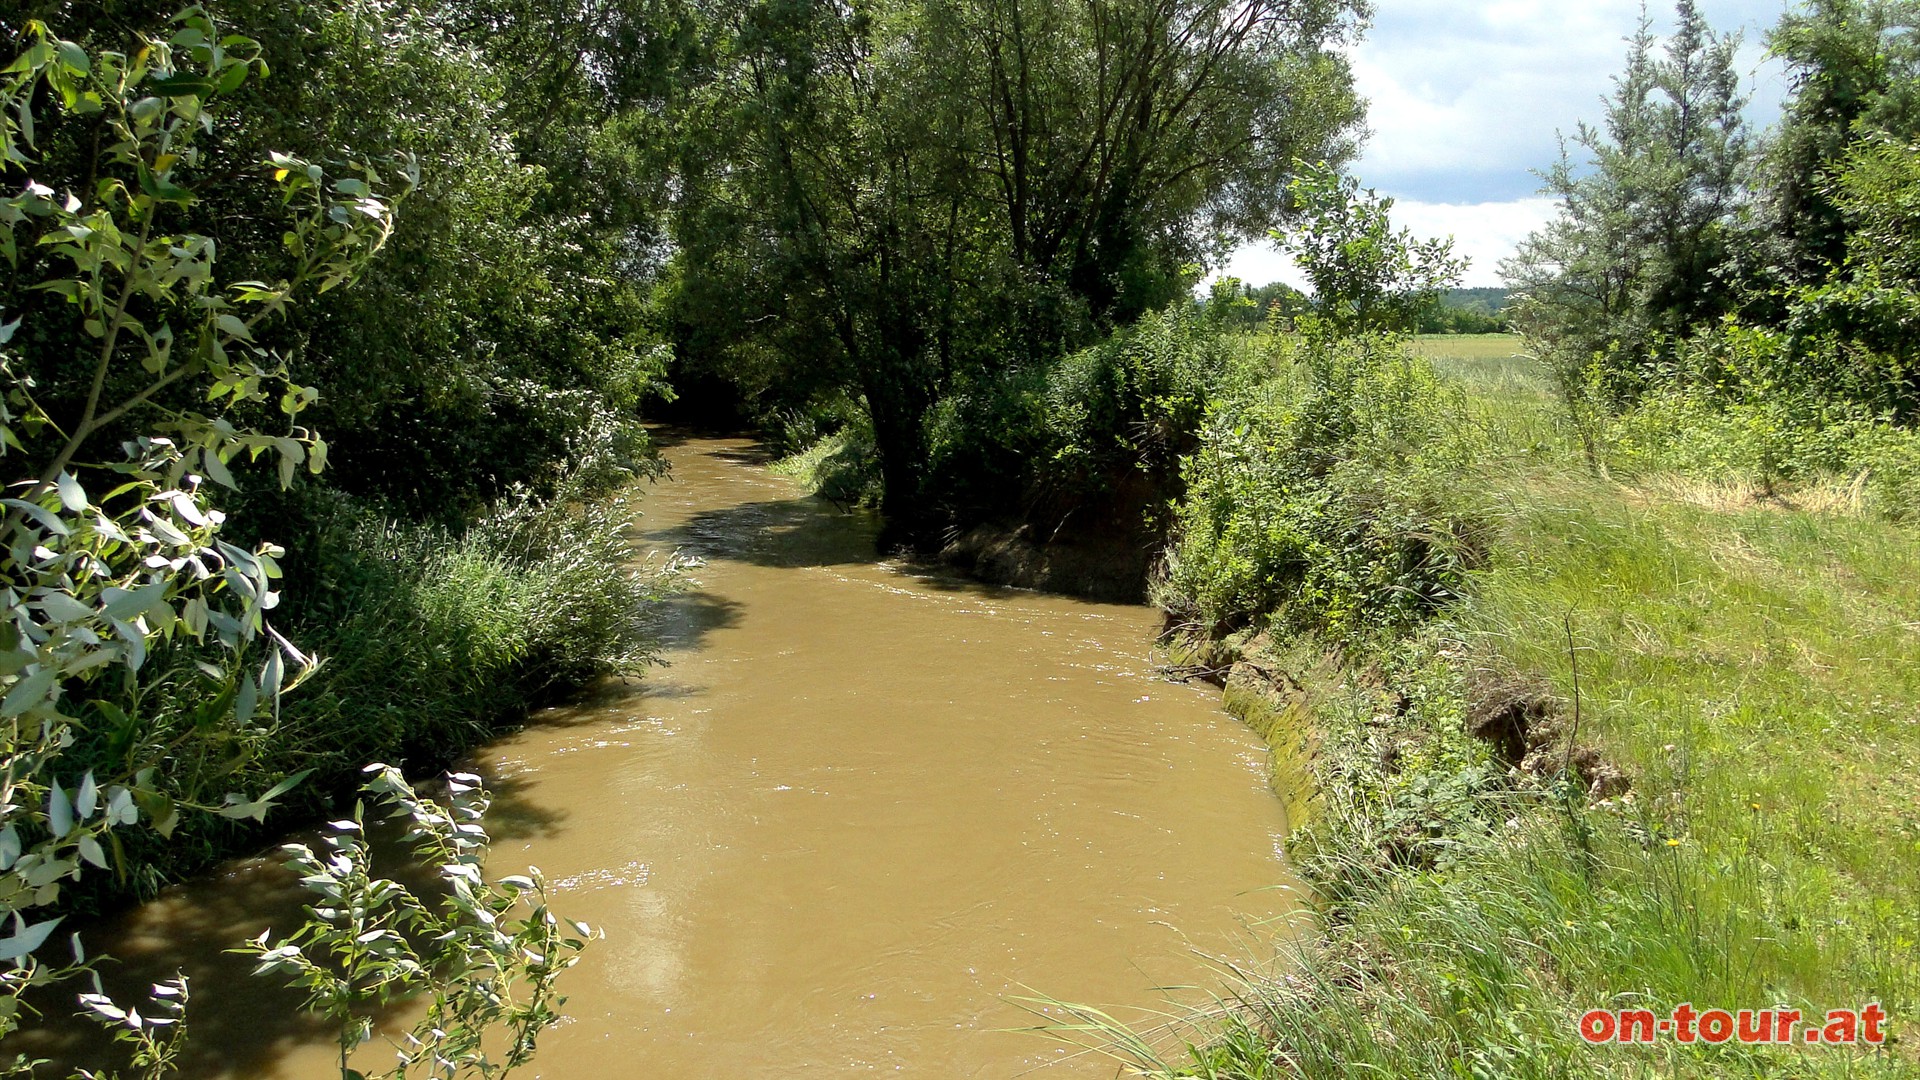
<point x="1653" y="754"/>
<point x="1550" y="741"/>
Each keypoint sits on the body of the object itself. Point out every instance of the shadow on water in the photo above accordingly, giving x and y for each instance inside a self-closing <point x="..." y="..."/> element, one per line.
<point x="239" y="1024"/>
<point x="782" y="533"/>
<point x="683" y="621"/>
<point x="514" y="815"/>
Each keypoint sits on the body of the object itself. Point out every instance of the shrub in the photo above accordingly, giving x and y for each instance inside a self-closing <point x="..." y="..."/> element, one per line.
<point x="1745" y="407"/>
<point x="843" y="467"/>
<point x="1320" y="495"/>
<point x="1066" y="431"/>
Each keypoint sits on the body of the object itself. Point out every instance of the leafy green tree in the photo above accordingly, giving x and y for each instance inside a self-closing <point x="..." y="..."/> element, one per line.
<point x="1124" y="139"/>
<point x="1367" y="277"/>
<point x="1855" y="71"/>
<point x="1851" y="336"/>
<point x="897" y="197"/>
<point x="1647" y="221"/>
<point x="1232" y="302"/>
<point x="501" y="340"/>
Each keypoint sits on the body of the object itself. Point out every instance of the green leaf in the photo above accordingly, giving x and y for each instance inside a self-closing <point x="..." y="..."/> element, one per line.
<point x="45" y="517"/>
<point x="159" y="810"/>
<point x="26" y="938"/>
<point x="128" y="605"/>
<point x="287" y="785"/>
<point x="63" y="607"/>
<point x="176" y="85"/>
<point x="74" y="57"/>
<point x="59" y="811"/>
<point x="87" y="799"/>
<point x="231" y="79"/>
<point x="217" y="470"/>
<point x="29" y="692"/>
<point x="245" y="699"/>
<point x="72" y="495"/>
<point x="233" y="327"/>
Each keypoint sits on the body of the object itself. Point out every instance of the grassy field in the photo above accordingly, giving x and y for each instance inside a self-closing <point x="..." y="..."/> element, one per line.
<point x="1495" y="366"/>
<point x="1716" y="806"/>
<point x="1467" y="346"/>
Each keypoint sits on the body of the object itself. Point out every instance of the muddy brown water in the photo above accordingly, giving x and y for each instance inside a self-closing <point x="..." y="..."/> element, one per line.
<point x="866" y="810"/>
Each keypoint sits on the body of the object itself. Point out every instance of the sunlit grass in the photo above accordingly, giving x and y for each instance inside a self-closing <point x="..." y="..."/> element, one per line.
<point x="1752" y="667"/>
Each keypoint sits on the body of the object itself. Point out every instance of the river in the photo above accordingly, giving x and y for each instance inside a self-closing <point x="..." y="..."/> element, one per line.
<point x="866" y="808"/>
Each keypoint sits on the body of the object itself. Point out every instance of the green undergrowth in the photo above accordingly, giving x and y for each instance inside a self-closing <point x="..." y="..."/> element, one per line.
<point x="430" y="642"/>
<point x="1041" y="439"/>
<point x="1651" y="746"/>
<point x="843" y="467"/>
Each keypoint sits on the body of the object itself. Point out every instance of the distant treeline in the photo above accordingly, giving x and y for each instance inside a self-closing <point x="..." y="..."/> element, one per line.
<point x="1454" y="311"/>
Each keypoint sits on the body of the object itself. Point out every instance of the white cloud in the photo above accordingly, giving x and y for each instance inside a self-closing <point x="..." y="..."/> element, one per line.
<point x="1467" y="101"/>
<point x="1483" y="232"/>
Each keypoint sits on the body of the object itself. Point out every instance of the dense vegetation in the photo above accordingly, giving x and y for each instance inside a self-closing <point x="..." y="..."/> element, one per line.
<point x="299" y="302"/>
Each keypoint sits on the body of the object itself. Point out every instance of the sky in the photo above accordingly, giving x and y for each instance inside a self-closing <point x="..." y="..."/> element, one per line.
<point x="1468" y="97"/>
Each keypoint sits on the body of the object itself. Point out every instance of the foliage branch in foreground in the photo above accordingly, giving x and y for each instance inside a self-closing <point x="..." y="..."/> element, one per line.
<point x="486" y="955"/>
<point x="110" y="546"/>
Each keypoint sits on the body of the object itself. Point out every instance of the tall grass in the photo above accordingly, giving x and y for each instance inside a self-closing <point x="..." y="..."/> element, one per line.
<point x="1731" y="824"/>
<point x="430" y="642"/>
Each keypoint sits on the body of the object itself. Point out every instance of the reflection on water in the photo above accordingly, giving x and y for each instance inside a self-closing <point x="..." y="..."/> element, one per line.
<point x="865" y="806"/>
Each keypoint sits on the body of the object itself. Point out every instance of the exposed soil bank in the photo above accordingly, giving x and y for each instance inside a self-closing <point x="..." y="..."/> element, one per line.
<point x="1110" y="569"/>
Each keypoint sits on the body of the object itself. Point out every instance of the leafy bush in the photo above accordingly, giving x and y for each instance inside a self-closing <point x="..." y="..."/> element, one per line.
<point x="1067" y="431"/>
<point x="793" y="430"/>
<point x="1744" y="407"/>
<point x="1320" y="495"/>
<point x="843" y="468"/>
<point x="484" y="955"/>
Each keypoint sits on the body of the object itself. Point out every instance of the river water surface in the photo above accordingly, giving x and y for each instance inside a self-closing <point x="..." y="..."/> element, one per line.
<point x="866" y="809"/>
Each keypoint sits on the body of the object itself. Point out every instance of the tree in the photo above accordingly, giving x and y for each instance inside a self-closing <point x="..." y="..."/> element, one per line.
<point x="1855" y="70"/>
<point x="1631" y="259"/>
<point x="891" y="195"/>
<point x="1367" y="277"/>
<point x="1851" y="337"/>
<point x="1125" y="137"/>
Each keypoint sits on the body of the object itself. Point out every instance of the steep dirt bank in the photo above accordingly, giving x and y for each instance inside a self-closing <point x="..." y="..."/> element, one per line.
<point x="1107" y="568"/>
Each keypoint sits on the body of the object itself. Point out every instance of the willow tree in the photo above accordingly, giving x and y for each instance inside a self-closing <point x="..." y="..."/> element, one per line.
<point x="889" y="192"/>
